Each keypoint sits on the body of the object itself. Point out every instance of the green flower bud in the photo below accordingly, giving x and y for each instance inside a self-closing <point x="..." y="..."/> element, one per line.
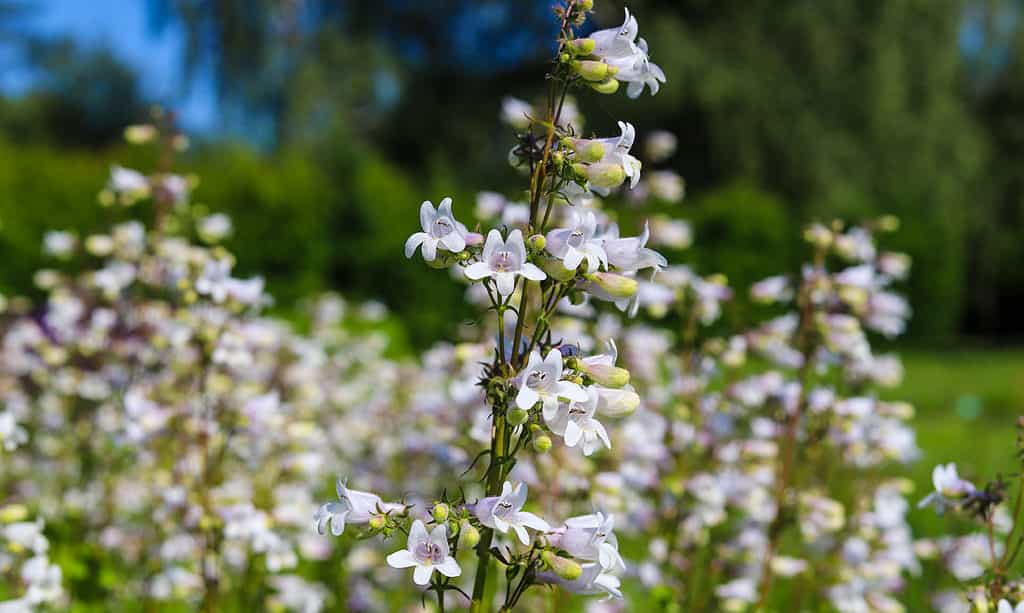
<point x="605" y="175"/>
<point x="537" y="242"/>
<point x="615" y="285"/>
<point x="591" y="70"/>
<point x="585" y="5"/>
<point x="518" y="417"/>
<point x="542" y="443"/>
<point x="556" y="270"/>
<point x="440" y="512"/>
<point x="577" y="297"/>
<point x="605" y="374"/>
<point x="563" y="567"/>
<point x="13" y="512"/>
<point x="889" y="223"/>
<point x="469" y="536"/>
<point x="377" y="522"/>
<point x="608" y="86"/>
<point x="140" y="134"/>
<point x="582" y="46"/>
<point x="588" y="150"/>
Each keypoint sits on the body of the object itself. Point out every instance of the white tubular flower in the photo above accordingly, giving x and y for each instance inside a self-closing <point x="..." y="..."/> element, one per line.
<point x="503" y="260"/>
<point x="516" y="112"/>
<point x="631" y="253"/>
<point x="505" y="511"/>
<point x="619" y="154"/>
<point x="579" y="243"/>
<point x="606" y="162"/>
<point x="602" y="369"/>
<point x="440" y="229"/>
<point x="427" y="553"/>
<point x="627" y="56"/>
<point x="575" y="422"/>
<point x="949" y="488"/>
<point x="1006" y="607"/>
<point x="353" y="506"/>
<point x="616" y="43"/>
<point x="590" y="582"/>
<point x="639" y="72"/>
<point x="541" y="381"/>
<point x="590" y="538"/>
<point x="128" y="181"/>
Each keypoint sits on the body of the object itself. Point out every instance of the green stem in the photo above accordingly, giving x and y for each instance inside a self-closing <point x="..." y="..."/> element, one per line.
<point x="499" y="447"/>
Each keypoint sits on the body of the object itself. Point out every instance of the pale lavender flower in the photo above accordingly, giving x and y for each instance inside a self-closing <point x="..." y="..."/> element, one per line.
<point x="426" y="553"/>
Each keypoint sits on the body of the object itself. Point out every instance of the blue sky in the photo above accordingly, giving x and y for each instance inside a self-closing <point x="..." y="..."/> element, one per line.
<point x="123" y="27"/>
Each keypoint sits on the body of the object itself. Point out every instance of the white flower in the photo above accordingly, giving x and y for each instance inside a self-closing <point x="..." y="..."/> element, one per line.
<point x="541" y="381"/>
<point x="126" y="180"/>
<point x="639" y="71"/>
<point x="616" y="43"/>
<point x="505" y="511"/>
<point x="575" y="422"/>
<point x="614" y="156"/>
<point x="213" y="281"/>
<point x="11" y="434"/>
<point x="214" y="227"/>
<point x="949" y="488"/>
<point x="590" y="538"/>
<point x="352" y="506"/>
<point x="516" y="112"/>
<point x="58" y="244"/>
<point x="427" y="553"/>
<point x="573" y="245"/>
<point x="631" y="253"/>
<point x="245" y="291"/>
<point x="439" y="229"/>
<point x="503" y="260"/>
<point x="620" y="48"/>
<point x="1006" y="607"/>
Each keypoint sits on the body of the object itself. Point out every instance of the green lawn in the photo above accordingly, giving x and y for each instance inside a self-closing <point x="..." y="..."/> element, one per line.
<point x="967" y="404"/>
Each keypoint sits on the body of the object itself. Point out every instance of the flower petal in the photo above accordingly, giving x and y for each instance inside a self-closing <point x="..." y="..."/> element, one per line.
<point x="414" y="242"/>
<point x="449" y="568"/>
<point x="477" y="271"/>
<point x="421" y="576"/>
<point x="402" y="558"/>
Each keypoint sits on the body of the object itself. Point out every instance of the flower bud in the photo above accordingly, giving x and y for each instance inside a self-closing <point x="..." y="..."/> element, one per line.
<point x="565" y="568"/>
<point x="537" y="241"/>
<point x="588" y="150"/>
<point x="440" y="512"/>
<point x="518" y="417"/>
<point x="140" y="134"/>
<point x="585" y="5"/>
<point x="591" y="70"/>
<point x="469" y="536"/>
<point x="889" y="223"/>
<point x="608" y="86"/>
<point x="605" y="374"/>
<point x="582" y="46"/>
<point x="617" y="403"/>
<point x="615" y="285"/>
<point x="576" y="297"/>
<point x="605" y="175"/>
<point x="377" y="522"/>
<point x="556" y="270"/>
<point x="542" y="443"/>
<point x="13" y="513"/>
<point x="474" y="238"/>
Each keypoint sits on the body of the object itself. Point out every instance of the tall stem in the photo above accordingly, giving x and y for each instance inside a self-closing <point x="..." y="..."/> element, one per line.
<point x="788" y="449"/>
<point x="494" y="480"/>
